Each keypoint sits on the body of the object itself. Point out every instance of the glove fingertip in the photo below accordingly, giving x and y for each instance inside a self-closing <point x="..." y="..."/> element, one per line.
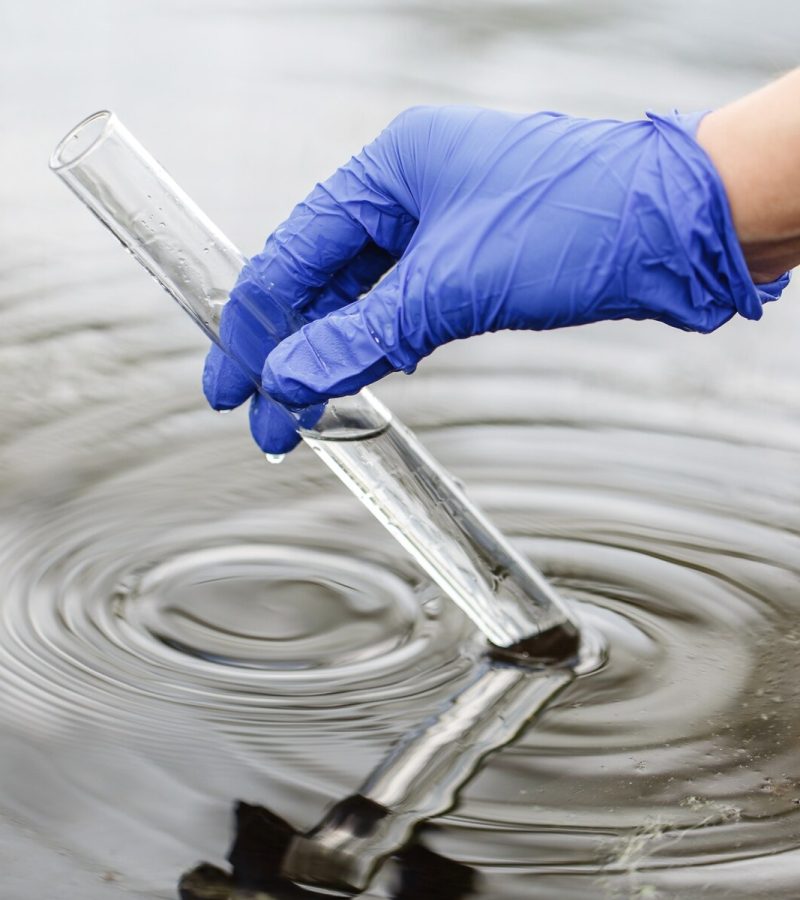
<point x="272" y="427"/>
<point x="330" y="357"/>
<point x="225" y="385"/>
<point x="283" y="389"/>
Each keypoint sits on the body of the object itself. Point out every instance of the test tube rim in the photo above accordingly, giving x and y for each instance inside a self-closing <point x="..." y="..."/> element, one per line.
<point x="57" y="161"/>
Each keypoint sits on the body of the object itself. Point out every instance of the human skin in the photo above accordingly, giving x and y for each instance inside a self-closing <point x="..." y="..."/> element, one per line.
<point x="754" y="144"/>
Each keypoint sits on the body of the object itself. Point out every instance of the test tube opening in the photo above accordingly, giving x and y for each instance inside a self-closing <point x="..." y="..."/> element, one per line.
<point x="79" y="142"/>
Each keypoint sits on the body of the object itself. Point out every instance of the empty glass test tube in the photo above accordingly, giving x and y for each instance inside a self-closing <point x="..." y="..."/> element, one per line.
<point x="379" y="459"/>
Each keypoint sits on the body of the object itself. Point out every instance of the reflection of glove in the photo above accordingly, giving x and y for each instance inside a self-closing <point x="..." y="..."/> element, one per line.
<point x="497" y="221"/>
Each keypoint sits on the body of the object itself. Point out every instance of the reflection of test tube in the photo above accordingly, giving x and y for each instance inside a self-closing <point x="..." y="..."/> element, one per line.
<point x="417" y="780"/>
<point x="420" y="777"/>
<point x="379" y="459"/>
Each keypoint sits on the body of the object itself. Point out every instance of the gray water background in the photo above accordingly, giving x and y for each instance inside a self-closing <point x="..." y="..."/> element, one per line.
<point x="111" y="465"/>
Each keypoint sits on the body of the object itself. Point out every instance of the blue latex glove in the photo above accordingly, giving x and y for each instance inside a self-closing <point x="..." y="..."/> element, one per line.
<point x="494" y="221"/>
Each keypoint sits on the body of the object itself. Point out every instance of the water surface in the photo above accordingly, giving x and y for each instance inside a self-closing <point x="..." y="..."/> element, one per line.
<point x="183" y="625"/>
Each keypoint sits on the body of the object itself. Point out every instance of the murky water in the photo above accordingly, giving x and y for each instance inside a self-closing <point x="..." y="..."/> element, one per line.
<point x="183" y="625"/>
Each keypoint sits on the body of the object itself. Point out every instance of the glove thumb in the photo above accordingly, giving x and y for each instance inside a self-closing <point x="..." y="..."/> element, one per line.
<point x="343" y="351"/>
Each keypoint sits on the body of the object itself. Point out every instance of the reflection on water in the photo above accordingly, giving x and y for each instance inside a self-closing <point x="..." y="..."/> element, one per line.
<point x="176" y="636"/>
<point x="183" y="625"/>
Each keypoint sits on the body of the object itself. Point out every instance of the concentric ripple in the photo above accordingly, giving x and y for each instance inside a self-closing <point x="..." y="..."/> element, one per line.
<point x="198" y="627"/>
<point x="271" y="607"/>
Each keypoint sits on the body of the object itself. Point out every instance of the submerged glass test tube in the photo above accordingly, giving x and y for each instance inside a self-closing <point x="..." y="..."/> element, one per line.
<point x="379" y="459"/>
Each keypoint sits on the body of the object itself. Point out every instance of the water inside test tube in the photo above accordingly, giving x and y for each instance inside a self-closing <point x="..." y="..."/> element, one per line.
<point x="428" y="514"/>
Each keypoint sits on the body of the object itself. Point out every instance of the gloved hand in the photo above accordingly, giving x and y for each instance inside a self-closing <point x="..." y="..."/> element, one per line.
<point x="491" y="221"/>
